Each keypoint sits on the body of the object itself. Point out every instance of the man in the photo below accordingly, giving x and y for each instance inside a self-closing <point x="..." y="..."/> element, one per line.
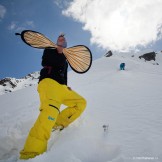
<point x="122" y="66"/>
<point x="53" y="92"/>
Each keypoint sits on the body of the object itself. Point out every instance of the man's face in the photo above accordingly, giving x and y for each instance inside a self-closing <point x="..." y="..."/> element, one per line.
<point x="60" y="41"/>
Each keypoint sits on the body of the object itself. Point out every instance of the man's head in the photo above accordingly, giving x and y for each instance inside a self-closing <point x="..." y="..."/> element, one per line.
<point x="61" y="41"/>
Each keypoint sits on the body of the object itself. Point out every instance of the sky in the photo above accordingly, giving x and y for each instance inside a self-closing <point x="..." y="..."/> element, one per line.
<point x="101" y="25"/>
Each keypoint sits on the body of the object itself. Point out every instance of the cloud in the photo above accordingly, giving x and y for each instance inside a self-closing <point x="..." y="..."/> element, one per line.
<point x="119" y="24"/>
<point x="2" y="12"/>
<point x="17" y="27"/>
<point x="61" y="3"/>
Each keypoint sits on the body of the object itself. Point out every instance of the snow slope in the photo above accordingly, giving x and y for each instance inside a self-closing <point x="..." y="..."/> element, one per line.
<point x="128" y="101"/>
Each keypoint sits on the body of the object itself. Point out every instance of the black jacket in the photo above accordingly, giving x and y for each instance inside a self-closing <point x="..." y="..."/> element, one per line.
<point x="54" y="66"/>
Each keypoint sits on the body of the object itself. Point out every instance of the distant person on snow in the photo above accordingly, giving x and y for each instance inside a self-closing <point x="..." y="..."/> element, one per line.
<point x="122" y="66"/>
<point x="53" y="91"/>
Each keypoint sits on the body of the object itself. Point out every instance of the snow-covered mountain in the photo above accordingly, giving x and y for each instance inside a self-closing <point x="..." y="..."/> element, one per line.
<point x="128" y="102"/>
<point x="12" y="84"/>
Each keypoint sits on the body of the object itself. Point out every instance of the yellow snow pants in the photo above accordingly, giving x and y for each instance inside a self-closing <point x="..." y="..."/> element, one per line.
<point x="52" y="95"/>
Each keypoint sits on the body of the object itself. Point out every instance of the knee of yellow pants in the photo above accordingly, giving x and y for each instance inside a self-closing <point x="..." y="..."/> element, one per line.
<point x="68" y="115"/>
<point x="82" y="105"/>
